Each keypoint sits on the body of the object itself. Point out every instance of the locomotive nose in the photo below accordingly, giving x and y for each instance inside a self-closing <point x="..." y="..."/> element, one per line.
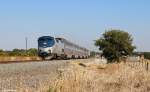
<point x="45" y="51"/>
<point x="43" y="54"/>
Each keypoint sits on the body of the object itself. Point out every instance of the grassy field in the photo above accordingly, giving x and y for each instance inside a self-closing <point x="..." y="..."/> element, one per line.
<point x="90" y="77"/>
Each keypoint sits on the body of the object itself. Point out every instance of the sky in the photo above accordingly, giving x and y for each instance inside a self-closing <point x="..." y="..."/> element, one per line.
<point x="79" y="21"/>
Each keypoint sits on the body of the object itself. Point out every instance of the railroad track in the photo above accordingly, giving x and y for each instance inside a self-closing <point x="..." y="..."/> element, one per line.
<point x="26" y="61"/>
<point x="5" y="62"/>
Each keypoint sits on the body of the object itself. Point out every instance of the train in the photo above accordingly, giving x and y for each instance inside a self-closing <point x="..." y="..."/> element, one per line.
<point x="52" y="48"/>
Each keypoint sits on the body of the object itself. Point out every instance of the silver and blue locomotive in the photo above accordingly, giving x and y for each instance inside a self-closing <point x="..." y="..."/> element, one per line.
<point x="50" y="48"/>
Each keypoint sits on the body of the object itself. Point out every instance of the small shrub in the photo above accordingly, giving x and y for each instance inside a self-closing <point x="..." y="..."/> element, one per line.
<point x="51" y="89"/>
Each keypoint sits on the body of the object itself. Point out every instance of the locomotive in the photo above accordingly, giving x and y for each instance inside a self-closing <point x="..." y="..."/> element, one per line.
<point x="52" y="48"/>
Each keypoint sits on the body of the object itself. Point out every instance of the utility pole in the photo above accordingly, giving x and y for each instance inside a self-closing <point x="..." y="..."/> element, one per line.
<point x="26" y="40"/>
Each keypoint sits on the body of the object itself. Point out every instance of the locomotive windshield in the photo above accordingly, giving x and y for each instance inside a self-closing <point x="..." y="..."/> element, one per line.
<point x="46" y="42"/>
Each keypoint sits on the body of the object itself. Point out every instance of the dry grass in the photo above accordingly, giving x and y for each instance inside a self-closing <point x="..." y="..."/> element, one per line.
<point x="17" y="58"/>
<point x="80" y="77"/>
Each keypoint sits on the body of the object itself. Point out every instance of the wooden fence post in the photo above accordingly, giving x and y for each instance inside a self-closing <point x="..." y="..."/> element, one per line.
<point x="147" y="64"/>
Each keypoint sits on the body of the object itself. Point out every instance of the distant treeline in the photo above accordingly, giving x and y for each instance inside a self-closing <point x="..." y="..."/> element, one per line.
<point x="19" y="52"/>
<point x="146" y="54"/>
<point x="94" y="53"/>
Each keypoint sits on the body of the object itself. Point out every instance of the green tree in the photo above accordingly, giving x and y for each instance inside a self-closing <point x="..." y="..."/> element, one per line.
<point x="18" y="52"/>
<point x="146" y="55"/>
<point x="1" y="52"/>
<point x="32" y="52"/>
<point x="115" y="44"/>
<point x="23" y="52"/>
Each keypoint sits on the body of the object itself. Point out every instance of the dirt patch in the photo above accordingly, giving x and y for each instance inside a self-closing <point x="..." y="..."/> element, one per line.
<point x="18" y="58"/>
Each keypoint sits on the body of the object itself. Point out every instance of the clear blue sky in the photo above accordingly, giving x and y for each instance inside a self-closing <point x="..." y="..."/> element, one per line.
<point x="80" y="21"/>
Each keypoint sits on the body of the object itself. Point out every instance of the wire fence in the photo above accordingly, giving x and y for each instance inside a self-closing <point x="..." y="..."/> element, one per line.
<point x="142" y="63"/>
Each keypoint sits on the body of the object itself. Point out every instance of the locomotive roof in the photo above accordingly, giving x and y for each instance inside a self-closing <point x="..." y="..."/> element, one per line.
<point x="45" y="37"/>
<point x="68" y="42"/>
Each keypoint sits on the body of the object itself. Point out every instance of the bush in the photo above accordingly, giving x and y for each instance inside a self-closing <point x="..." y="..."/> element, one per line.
<point x="19" y="52"/>
<point x="32" y="52"/>
<point x="146" y="55"/>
